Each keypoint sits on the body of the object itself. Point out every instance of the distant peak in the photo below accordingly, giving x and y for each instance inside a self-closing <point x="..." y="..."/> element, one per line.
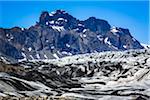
<point x="96" y="19"/>
<point x="44" y="13"/>
<point x="60" y="11"/>
<point x="92" y="18"/>
<point x="58" y="15"/>
<point x="124" y="30"/>
<point x="47" y="14"/>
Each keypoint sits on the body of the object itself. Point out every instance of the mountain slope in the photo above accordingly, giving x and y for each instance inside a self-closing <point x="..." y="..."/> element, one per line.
<point x="59" y="34"/>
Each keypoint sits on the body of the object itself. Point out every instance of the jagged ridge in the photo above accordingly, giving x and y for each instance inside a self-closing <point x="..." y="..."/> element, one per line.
<point x="59" y="34"/>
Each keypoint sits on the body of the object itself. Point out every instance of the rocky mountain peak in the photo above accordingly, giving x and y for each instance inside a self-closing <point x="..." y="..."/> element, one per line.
<point x="97" y="25"/>
<point x="46" y="16"/>
<point x="58" y="19"/>
<point x="60" y="11"/>
<point x="58" y="34"/>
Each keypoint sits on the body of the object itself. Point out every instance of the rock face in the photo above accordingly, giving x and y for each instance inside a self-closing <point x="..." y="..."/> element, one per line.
<point x="58" y="34"/>
<point x="109" y="75"/>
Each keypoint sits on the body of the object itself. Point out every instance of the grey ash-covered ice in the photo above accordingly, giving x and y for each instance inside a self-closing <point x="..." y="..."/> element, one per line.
<point x="108" y="75"/>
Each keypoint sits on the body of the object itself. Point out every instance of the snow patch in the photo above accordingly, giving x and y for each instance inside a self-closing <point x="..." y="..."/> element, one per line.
<point x="80" y="25"/>
<point x="52" y="47"/>
<point x="56" y="56"/>
<point x="24" y="59"/>
<point x="100" y="37"/>
<point x="47" y="40"/>
<point x="50" y="14"/>
<point x="53" y="12"/>
<point x="51" y="22"/>
<point x="46" y="23"/>
<point x="66" y="53"/>
<point x="22" y="29"/>
<point x="67" y="45"/>
<point x="10" y="38"/>
<point x="115" y="47"/>
<point x="60" y="19"/>
<point x="29" y="48"/>
<point x="125" y="46"/>
<point x="65" y="20"/>
<point x="106" y="41"/>
<point x="59" y="28"/>
<point x="3" y="59"/>
<point x="31" y="57"/>
<point x="114" y="30"/>
<point x="23" y="49"/>
<point x="45" y="56"/>
<point x="76" y="29"/>
<point x="23" y="54"/>
<point x="84" y="35"/>
<point x="84" y="30"/>
<point x="38" y="56"/>
<point x="7" y="35"/>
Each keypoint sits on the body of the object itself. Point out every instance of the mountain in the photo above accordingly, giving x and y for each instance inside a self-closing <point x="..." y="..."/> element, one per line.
<point x="112" y="75"/>
<point x="58" y="34"/>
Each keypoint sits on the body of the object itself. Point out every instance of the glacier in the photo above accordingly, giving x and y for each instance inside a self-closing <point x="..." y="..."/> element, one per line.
<point x="111" y="75"/>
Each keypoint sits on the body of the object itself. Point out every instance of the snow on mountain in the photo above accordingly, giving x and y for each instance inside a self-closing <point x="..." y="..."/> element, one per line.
<point x="59" y="28"/>
<point x="114" y="29"/>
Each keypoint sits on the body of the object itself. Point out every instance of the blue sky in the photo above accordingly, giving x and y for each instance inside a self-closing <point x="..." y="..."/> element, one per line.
<point x="133" y="15"/>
